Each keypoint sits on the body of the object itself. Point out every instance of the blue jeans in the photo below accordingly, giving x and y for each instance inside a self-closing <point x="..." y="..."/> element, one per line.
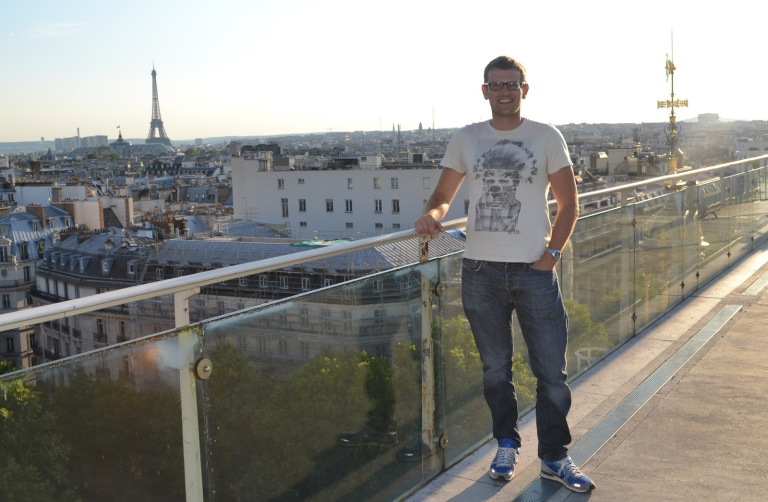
<point x="491" y="291"/>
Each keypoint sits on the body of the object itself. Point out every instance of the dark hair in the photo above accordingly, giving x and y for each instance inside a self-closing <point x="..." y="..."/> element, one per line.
<point x="504" y="63"/>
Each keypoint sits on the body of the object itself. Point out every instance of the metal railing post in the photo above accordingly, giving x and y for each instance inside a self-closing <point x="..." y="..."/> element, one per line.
<point x="190" y="429"/>
<point x="427" y="354"/>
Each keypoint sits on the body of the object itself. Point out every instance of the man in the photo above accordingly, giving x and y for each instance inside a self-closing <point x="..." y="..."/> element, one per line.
<point x="510" y="162"/>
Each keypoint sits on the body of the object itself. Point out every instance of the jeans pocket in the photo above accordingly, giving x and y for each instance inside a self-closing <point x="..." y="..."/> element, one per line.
<point x="472" y="265"/>
<point x="540" y="271"/>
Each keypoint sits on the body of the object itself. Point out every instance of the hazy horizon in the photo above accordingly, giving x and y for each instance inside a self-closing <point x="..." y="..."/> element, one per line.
<point x="272" y="68"/>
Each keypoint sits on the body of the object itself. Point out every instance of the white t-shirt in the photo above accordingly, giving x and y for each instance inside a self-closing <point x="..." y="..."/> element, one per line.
<point x="507" y="177"/>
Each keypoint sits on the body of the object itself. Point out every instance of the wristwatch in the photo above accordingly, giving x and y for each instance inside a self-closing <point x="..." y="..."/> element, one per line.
<point x="555" y="253"/>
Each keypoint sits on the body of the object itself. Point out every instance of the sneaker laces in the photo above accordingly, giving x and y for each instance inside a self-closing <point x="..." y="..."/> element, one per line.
<point x="505" y="456"/>
<point x="568" y="467"/>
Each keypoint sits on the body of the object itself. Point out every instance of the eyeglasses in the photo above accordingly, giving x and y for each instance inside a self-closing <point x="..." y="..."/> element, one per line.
<point x="497" y="86"/>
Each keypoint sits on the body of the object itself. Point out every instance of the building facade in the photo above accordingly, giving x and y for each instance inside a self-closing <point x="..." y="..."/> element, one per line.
<point x="337" y="203"/>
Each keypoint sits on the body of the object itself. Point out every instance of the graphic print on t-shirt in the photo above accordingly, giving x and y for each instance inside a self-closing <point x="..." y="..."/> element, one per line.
<point x="501" y="169"/>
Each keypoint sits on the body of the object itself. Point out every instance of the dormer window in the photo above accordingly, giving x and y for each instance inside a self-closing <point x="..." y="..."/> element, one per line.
<point x="24" y="250"/>
<point x="132" y="267"/>
<point x="4" y="230"/>
<point x="106" y="265"/>
<point x="35" y="226"/>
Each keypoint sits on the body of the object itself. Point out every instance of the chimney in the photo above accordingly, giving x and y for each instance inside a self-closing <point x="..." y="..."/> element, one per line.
<point x="38" y="211"/>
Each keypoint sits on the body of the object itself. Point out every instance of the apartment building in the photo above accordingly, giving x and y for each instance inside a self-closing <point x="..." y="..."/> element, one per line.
<point x="341" y="200"/>
<point x="24" y="237"/>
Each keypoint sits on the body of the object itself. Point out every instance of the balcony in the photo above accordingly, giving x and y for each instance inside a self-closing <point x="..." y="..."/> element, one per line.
<point x="370" y="389"/>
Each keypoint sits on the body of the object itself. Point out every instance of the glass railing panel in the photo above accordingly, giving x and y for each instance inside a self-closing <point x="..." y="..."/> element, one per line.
<point x="710" y="219"/>
<point x="320" y="396"/>
<point x="743" y="198"/>
<point x="102" y="426"/>
<point x="759" y="180"/>
<point x="596" y="274"/>
<point x="461" y="405"/>
<point x="661" y="235"/>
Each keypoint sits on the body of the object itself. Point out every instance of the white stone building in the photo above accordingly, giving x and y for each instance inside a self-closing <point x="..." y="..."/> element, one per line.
<point x="353" y="201"/>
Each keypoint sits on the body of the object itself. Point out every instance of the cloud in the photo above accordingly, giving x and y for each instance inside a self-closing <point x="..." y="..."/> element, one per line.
<point x="56" y="30"/>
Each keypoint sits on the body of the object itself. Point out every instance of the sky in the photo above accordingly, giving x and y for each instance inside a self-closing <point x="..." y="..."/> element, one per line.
<point x="269" y="67"/>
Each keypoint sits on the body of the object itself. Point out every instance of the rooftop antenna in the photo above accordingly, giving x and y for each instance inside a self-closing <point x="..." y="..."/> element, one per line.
<point x="671" y="103"/>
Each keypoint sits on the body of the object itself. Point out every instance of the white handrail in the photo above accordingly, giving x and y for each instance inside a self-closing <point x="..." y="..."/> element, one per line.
<point x="68" y="308"/>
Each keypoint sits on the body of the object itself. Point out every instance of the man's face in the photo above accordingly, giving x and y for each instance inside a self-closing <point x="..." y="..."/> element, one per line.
<point x="506" y="102"/>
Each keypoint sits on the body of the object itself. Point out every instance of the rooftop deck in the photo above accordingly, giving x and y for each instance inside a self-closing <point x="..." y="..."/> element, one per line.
<point x="678" y="413"/>
<point x="376" y="382"/>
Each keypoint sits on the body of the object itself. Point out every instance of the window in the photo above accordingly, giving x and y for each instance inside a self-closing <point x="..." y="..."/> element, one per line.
<point x="301" y="181"/>
<point x="305" y="350"/>
<point x="263" y="281"/>
<point x="27" y="274"/>
<point x="377" y="205"/>
<point x="350" y="184"/>
<point x="305" y="283"/>
<point x="35" y="226"/>
<point x="380" y="315"/>
<point x="304" y="317"/>
<point x="328" y="205"/>
<point x="302" y="224"/>
<point x="284" y="282"/>
<point x="396" y="206"/>
<point x="280" y="183"/>
<point x="131" y="268"/>
<point x="395" y="226"/>
<point x="159" y="274"/>
<point x="350" y="225"/>
<point x="284" y="203"/>
<point x="101" y="327"/>
<point x="5" y="253"/>
<point x="10" y="344"/>
<point x="379" y="226"/>
<point x="395" y="183"/>
<point x="348" y="205"/>
<point x="378" y="285"/>
<point x="6" y="301"/>
<point x="376" y="182"/>
<point x="282" y="346"/>
<point x="302" y="205"/>
<point x="328" y="281"/>
<point x="242" y="281"/>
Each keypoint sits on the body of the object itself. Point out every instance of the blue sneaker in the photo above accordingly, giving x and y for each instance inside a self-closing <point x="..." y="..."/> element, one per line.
<point x="503" y="466"/>
<point x="565" y="472"/>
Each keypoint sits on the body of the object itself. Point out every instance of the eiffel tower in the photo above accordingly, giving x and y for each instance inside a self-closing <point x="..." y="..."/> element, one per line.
<point x="156" y="129"/>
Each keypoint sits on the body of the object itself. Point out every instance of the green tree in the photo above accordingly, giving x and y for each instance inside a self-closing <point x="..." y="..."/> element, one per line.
<point x="124" y="444"/>
<point x="33" y="464"/>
